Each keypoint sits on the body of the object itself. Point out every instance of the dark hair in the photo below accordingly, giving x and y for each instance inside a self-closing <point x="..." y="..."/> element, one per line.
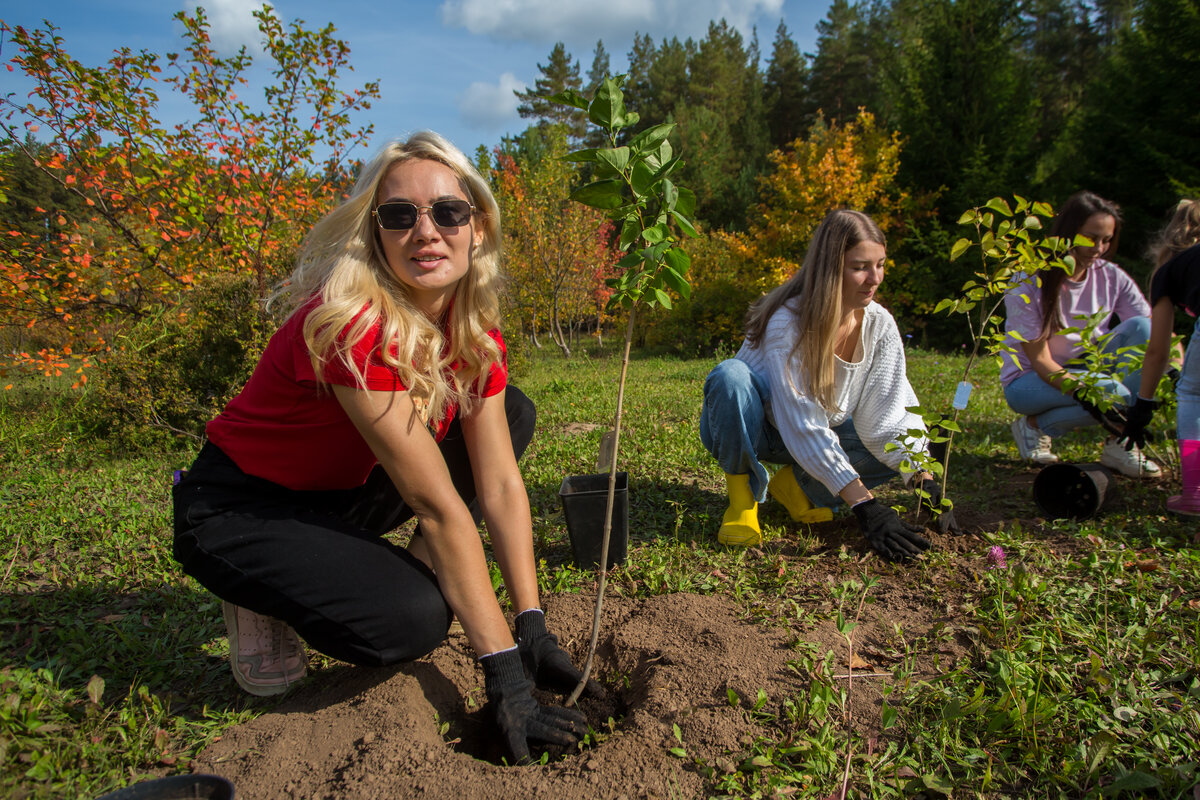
<point x="1079" y="207"/>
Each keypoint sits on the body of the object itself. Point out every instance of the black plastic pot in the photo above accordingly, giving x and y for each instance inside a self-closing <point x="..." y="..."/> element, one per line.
<point x="584" y="499"/>
<point x="1071" y="491"/>
<point x="176" y="787"/>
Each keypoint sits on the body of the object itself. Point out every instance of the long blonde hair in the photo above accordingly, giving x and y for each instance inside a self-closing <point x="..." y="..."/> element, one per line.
<point x="342" y="262"/>
<point x="817" y="290"/>
<point x="1181" y="232"/>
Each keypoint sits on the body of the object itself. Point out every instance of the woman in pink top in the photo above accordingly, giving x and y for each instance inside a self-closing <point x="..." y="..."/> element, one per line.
<point x="1037" y="384"/>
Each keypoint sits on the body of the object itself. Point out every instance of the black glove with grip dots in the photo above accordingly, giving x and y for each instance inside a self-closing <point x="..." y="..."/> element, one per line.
<point x="545" y="662"/>
<point x="888" y="535"/>
<point x="519" y="719"/>
<point x="1110" y="420"/>
<point x="946" y="523"/>
<point x="1137" y="417"/>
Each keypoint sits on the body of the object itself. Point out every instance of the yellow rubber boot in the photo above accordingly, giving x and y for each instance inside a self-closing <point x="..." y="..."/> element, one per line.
<point x="783" y="487"/>
<point x="739" y="526"/>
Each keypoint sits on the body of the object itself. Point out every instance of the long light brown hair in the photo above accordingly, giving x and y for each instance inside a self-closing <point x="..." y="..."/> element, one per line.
<point x="342" y="261"/>
<point x="814" y="293"/>
<point x="1181" y="232"/>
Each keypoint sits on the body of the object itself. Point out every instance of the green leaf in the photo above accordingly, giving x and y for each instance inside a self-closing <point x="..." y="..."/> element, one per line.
<point x="95" y="689"/>
<point x="608" y="108"/>
<point x="629" y="233"/>
<point x="582" y="156"/>
<point x="670" y="195"/>
<point x="1099" y="748"/>
<point x="686" y="204"/>
<point x="655" y="234"/>
<point x="663" y="298"/>
<point x="1133" y="781"/>
<point x="967" y="218"/>
<point x="615" y="157"/>
<point x="650" y="138"/>
<point x="1000" y="205"/>
<point x="599" y="194"/>
<point x="642" y="179"/>
<point x="960" y="247"/>
<point x="570" y="97"/>
<point x="685" y="224"/>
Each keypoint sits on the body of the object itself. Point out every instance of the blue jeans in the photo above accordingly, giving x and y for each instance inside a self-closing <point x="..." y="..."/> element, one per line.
<point x="1187" y="392"/>
<point x="735" y="429"/>
<point x="1058" y="413"/>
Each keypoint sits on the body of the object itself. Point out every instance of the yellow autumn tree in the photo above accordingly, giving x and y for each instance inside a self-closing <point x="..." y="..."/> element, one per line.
<point x="851" y="165"/>
<point x="835" y="166"/>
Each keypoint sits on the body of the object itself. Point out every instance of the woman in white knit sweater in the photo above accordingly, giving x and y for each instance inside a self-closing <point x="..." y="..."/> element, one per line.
<point x="819" y="385"/>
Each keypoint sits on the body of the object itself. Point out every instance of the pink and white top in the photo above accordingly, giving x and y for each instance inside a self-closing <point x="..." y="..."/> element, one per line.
<point x="1105" y="288"/>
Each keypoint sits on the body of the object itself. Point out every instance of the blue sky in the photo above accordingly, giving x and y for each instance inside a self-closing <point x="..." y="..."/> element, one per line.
<point x="447" y="65"/>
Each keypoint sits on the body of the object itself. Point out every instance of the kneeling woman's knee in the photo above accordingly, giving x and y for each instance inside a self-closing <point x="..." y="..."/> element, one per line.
<point x="380" y="636"/>
<point x="730" y="380"/>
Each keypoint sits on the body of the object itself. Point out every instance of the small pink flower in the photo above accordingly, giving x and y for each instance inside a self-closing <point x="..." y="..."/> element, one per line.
<point x="996" y="557"/>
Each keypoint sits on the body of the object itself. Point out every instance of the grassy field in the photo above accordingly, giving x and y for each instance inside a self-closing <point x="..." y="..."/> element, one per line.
<point x="1081" y="678"/>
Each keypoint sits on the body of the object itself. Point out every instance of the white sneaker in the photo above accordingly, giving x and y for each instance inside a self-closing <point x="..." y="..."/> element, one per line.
<point x="266" y="655"/>
<point x="1032" y="444"/>
<point x="1128" y="462"/>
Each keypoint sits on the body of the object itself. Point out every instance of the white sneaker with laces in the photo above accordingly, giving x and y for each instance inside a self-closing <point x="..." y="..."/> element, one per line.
<point x="1032" y="444"/>
<point x="1132" y="463"/>
<point x="266" y="655"/>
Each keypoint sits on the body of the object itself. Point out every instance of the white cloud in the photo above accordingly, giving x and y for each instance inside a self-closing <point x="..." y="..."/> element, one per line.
<point x="583" y="21"/>
<point x="231" y="23"/>
<point x="488" y="106"/>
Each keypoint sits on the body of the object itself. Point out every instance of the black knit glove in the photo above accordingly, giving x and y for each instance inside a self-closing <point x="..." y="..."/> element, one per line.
<point x="888" y="535"/>
<point x="518" y="718"/>
<point x="1137" y="417"/>
<point x="946" y="523"/>
<point x="545" y="662"/>
<point x="1111" y="420"/>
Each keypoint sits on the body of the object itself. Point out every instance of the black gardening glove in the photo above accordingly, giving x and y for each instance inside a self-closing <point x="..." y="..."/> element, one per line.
<point x="946" y="523"/>
<point x="519" y="719"/>
<point x="1173" y="374"/>
<point x="1110" y="420"/>
<point x="545" y="662"/>
<point x="892" y="538"/>
<point x="1137" y="417"/>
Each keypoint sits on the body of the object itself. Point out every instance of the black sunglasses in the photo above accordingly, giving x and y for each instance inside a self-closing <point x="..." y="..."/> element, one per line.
<point x="404" y="216"/>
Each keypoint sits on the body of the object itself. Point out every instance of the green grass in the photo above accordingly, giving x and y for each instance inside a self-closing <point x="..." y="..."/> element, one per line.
<point x="1080" y="678"/>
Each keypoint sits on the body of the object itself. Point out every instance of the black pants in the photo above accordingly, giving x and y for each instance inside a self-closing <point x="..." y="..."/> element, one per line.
<point x="317" y="559"/>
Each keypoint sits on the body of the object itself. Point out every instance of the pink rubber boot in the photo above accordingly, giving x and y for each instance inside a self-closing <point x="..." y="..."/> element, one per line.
<point x="1189" y="459"/>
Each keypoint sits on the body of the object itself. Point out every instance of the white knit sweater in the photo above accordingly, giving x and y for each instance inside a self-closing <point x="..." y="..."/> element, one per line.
<point x="873" y="390"/>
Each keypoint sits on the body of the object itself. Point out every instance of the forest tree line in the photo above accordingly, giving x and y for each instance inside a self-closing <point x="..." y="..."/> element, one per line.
<point x="139" y="255"/>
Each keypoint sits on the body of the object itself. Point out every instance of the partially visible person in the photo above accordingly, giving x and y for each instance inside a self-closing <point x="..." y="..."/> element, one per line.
<point x="382" y="397"/>
<point x="820" y="386"/>
<point x="1038" y="384"/>
<point x="1175" y="282"/>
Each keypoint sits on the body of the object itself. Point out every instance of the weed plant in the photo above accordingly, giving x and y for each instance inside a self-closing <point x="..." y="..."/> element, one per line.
<point x="1079" y="676"/>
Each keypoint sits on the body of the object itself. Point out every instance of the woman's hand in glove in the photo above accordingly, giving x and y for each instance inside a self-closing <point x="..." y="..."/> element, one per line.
<point x="519" y="719"/>
<point x="946" y="523"/>
<point x="545" y="662"/>
<point x="888" y="535"/>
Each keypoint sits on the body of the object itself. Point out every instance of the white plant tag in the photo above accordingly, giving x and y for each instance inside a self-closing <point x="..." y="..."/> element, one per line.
<point x="961" y="395"/>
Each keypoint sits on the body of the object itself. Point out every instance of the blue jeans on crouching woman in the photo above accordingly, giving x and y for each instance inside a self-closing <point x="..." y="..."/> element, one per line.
<point x="735" y="429"/>
<point x="1057" y="413"/>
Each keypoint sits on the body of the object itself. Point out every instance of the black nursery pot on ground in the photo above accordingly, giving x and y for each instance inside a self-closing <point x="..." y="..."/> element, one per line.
<point x="584" y="499"/>
<point x="176" y="787"/>
<point x="1071" y="491"/>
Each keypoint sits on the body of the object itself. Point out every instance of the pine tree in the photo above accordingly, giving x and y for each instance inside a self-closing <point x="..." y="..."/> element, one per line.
<point x="559" y="73"/>
<point x="786" y="102"/>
